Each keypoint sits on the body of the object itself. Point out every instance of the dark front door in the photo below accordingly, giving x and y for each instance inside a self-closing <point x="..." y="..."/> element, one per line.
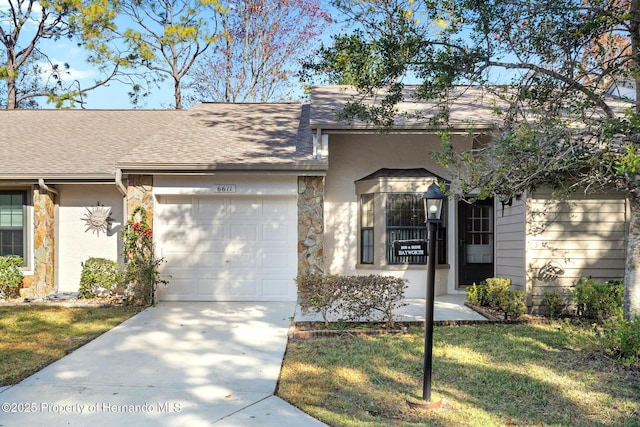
<point x="475" y="241"/>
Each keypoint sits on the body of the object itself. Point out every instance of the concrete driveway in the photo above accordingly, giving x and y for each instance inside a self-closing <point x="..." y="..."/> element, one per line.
<point x="176" y="364"/>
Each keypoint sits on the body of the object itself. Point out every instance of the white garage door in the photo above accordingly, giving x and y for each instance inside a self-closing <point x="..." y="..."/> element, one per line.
<point x="221" y="248"/>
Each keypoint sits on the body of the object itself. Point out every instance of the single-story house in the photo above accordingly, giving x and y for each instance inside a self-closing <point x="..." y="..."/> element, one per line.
<point x="244" y="197"/>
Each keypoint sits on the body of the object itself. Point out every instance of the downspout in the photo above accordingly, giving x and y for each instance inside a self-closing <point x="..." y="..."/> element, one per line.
<point x="317" y="141"/>
<point x="119" y="184"/>
<point x="44" y="186"/>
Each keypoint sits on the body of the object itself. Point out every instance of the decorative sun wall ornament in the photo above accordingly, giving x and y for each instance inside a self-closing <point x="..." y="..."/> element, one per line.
<point x="97" y="219"/>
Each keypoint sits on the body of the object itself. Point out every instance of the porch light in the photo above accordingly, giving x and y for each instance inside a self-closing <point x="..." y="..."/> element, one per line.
<point x="433" y="200"/>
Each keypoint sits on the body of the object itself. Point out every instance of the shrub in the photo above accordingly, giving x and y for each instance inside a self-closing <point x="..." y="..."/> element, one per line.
<point x="598" y="301"/>
<point x="496" y="294"/>
<point x="100" y="277"/>
<point x="477" y="294"/>
<point x="352" y="297"/>
<point x="554" y="304"/>
<point x="318" y="294"/>
<point x="622" y="339"/>
<point x="10" y="277"/>
<point x="361" y="296"/>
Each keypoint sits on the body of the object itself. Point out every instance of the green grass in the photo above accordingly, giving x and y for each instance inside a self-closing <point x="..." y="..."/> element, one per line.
<point x="32" y="337"/>
<point x="486" y="375"/>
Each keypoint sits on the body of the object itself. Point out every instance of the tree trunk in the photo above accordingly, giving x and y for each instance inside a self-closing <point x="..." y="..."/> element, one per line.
<point x="177" y="94"/>
<point x="632" y="268"/>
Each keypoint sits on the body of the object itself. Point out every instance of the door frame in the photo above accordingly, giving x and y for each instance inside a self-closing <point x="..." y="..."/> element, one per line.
<point x="480" y="271"/>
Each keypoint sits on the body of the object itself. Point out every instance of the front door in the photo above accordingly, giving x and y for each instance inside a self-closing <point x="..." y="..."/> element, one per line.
<point x="475" y="238"/>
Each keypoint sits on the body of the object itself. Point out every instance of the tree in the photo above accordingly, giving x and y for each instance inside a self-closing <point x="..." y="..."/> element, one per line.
<point x="550" y="63"/>
<point x="26" y="24"/>
<point x="169" y="35"/>
<point x="262" y="45"/>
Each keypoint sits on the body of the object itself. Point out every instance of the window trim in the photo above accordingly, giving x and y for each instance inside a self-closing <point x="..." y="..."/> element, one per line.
<point x="381" y="186"/>
<point x="27" y="225"/>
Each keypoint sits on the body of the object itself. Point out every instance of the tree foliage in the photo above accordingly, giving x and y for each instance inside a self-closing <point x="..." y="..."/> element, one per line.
<point x="263" y="42"/>
<point x="26" y="70"/>
<point x="168" y="36"/>
<point x="549" y="64"/>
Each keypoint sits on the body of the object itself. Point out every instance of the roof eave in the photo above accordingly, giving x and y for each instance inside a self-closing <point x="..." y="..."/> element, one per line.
<point x="299" y="167"/>
<point x="417" y="128"/>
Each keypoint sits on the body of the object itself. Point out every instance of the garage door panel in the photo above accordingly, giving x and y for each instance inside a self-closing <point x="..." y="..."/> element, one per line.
<point x="274" y="288"/>
<point x="243" y="232"/>
<point x="228" y="247"/>
<point x="275" y="233"/>
<point x="275" y="259"/>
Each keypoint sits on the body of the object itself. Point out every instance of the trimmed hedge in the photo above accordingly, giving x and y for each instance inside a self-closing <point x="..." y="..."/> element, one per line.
<point x="352" y="298"/>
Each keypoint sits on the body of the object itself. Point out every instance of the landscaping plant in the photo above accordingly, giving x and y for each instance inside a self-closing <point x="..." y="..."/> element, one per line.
<point x="495" y="293"/>
<point x="10" y="277"/>
<point x="352" y="298"/>
<point x="596" y="300"/>
<point x="100" y="277"/>
<point x="141" y="275"/>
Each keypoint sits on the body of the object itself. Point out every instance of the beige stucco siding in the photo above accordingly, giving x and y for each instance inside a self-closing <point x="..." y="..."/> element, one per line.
<point x="353" y="157"/>
<point x="583" y="236"/>
<point x="510" y="241"/>
<point x="75" y="242"/>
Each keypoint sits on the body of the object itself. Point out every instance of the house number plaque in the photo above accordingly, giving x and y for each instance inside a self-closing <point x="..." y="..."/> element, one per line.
<point x="225" y="188"/>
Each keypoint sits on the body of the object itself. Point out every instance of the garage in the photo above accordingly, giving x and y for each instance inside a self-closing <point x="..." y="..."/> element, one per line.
<point x="227" y="247"/>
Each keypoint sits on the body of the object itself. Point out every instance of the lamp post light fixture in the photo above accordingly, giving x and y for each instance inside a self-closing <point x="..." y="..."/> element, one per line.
<point x="433" y="201"/>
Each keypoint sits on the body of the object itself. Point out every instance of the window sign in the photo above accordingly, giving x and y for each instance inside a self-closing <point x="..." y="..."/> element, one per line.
<point x="410" y="248"/>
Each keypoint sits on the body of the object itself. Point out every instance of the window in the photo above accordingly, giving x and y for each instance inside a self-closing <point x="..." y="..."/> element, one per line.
<point x="12" y="223"/>
<point x="366" y="229"/>
<point x="405" y="221"/>
<point x="391" y="208"/>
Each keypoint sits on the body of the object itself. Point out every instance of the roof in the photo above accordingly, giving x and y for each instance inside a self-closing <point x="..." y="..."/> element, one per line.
<point x="471" y="108"/>
<point x="229" y="136"/>
<point x="92" y="144"/>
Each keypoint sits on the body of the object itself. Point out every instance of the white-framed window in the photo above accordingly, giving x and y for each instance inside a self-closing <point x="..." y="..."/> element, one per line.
<point x="367" y="229"/>
<point x="391" y="208"/>
<point x="13" y="230"/>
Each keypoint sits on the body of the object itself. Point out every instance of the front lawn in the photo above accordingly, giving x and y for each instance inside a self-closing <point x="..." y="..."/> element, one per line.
<point x="32" y="337"/>
<point x="486" y="375"/>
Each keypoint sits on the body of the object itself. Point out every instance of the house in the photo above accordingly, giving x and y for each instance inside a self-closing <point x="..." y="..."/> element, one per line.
<point x="244" y="197"/>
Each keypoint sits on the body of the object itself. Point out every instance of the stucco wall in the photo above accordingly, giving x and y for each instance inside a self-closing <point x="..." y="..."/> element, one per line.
<point x="352" y="157"/>
<point x="584" y="236"/>
<point x="76" y="241"/>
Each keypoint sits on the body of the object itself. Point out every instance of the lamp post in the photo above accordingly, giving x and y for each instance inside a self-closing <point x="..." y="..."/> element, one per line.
<point x="433" y="200"/>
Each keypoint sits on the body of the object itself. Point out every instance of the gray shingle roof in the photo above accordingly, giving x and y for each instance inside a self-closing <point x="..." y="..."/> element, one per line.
<point x="214" y="135"/>
<point x="92" y="143"/>
<point x="471" y="107"/>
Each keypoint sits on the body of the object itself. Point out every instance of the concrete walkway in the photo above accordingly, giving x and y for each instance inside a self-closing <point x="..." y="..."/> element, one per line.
<point x="179" y="364"/>
<point x="176" y="364"/>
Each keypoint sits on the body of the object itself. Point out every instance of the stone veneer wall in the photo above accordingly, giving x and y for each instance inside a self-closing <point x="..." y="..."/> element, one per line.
<point x="310" y="225"/>
<point x="42" y="282"/>
<point x="139" y="193"/>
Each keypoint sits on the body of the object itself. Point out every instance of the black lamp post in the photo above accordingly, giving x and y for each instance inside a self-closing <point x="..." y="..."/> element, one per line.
<point x="433" y="200"/>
